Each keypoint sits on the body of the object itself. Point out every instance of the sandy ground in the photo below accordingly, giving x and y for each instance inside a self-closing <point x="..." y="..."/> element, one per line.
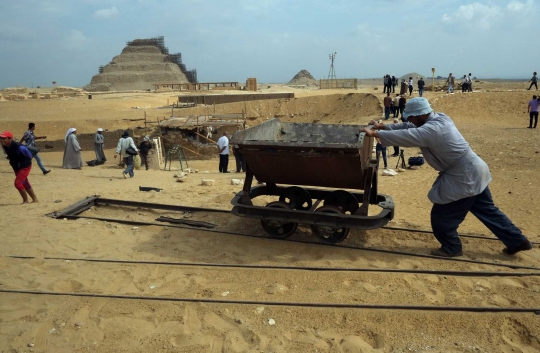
<point x="493" y="122"/>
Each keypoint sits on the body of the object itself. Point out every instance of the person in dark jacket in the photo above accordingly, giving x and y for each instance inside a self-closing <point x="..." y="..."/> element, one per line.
<point x="421" y="85"/>
<point x="144" y="147"/>
<point x="20" y="159"/>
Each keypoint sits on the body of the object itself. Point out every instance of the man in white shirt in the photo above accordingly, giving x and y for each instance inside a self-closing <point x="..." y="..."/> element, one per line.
<point x="469" y="81"/>
<point x="223" y="149"/>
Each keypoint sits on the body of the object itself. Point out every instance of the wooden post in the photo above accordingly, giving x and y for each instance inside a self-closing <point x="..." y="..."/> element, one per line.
<point x="433" y="79"/>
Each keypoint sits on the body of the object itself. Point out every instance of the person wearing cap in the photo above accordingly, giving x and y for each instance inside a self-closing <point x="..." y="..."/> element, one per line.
<point x="462" y="184"/>
<point x="144" y="148"/>
<point x="72" y="152"/>
<point x="99" y="141"/>
<point x="20" y="160"/>
<point x="30" y="141"/>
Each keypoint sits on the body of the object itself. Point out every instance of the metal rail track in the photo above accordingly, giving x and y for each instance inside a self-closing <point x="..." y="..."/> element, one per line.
<point x="71" y="212"/>
<point x="294" y="268"/>
<point x="475" y="309"/>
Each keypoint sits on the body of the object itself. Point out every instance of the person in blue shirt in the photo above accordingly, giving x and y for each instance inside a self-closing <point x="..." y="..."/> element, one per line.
<point x="20" y="160"/>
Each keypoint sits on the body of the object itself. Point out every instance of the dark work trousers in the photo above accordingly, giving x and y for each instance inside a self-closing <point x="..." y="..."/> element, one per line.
<point x="401" y="109"/>
<point x="393" y="88"/>
<point x="464" y="87"/>
<point x="387" y="113"/>
<point x="445" y="220"/>
<point x="223" y="163"/>
<point x="396" y="150"/>
<point x="410" y="90"/>
<point x="533" y="116"/>
<point x="380" y="149"/>
<point x="470" y="87"/>
<point x="535" y="85"/>
<point x="240" y="162"/>
<point x="396" y="112"/>
<point x="144" y="159"/>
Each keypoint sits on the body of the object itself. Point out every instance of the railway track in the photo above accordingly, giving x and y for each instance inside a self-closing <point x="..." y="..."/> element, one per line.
<point x="319" y="271"/>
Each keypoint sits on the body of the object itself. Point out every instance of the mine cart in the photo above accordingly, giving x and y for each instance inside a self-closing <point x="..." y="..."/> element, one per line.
<point x="289" y="159"/>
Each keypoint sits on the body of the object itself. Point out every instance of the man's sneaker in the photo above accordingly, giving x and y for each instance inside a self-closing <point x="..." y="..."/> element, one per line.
<point x="526" y="245"/>
<point x="46" y="172"/>
<point x="442" y="253"/>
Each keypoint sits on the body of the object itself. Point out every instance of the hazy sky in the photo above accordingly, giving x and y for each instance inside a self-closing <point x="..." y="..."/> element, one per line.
<point x="230" y="40"/>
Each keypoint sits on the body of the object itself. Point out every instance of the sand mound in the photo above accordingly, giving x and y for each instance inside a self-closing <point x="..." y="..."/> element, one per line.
<point x="303" y="78"/>
<point x="414" y="75"/>
<point x="15" y="90"/>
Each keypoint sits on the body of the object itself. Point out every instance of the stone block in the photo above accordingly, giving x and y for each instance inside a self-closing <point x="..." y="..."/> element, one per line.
<point x="207" y="182"/>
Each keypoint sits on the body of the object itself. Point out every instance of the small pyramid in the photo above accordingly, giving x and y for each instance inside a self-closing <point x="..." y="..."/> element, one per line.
<point x="303" y="78"/>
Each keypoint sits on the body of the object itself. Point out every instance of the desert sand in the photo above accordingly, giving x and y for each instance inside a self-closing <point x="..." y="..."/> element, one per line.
<point x="493" y="120"/>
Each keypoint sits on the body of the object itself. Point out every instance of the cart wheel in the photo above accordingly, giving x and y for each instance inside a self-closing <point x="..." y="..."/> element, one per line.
<point x="278" y="229"/>
<point x="297" y="198"/>
<point x="329" y="235"/>
<point x="342" y="199"/>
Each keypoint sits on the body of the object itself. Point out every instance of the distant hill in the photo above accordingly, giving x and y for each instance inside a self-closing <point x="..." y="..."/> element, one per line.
<point x="414" y="75"/>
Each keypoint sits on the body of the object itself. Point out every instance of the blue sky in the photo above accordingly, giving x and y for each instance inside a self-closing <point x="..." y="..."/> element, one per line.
<point x="230" y="40"/>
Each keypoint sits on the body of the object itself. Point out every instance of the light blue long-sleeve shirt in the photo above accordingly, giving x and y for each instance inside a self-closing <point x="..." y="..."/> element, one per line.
<point x="462" y="173"/>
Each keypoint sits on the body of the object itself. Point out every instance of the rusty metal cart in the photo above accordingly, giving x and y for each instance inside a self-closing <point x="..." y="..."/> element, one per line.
<point x="334" y="157"/>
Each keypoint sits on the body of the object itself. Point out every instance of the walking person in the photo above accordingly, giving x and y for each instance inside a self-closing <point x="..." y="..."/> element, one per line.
<point x="396" y="106"/>
<point x="380" y="149"/>
<point x="533" y="81"/>
<point x="72" y="152"/>
<point x="144" y="148"/>
<point x="127" y="149"/>
<point x="532" y="109"/>
<point x="20" y="160"/>
<point x="411" y="82"/>
<point x="450" y="81"/>
<point x="30" y="141"/>
<point x="99" y="142"/>
<point x="396" y="148"/>
<point x="462" y="184"/>
<point x="387" y="101"/>
<point x="402" y="104"/>
<point x="240" y="161"/>
<point x="223" y="150"/>
<point x="464" y="84"/>
<point x="421" y="85"/>
<point x="394" y="83"/>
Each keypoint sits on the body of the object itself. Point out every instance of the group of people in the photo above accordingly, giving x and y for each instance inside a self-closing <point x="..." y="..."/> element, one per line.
<point x="20" y="155"/>
<point x="394" y="106"/>
<point x="390" y="83"/>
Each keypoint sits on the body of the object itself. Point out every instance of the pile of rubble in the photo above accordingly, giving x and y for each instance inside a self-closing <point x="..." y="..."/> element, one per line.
<point x="303" y="78"/>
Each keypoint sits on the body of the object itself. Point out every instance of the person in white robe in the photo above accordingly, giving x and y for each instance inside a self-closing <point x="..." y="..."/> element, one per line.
<point x="72" y="152"/>
<point x="99" y="142"/>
